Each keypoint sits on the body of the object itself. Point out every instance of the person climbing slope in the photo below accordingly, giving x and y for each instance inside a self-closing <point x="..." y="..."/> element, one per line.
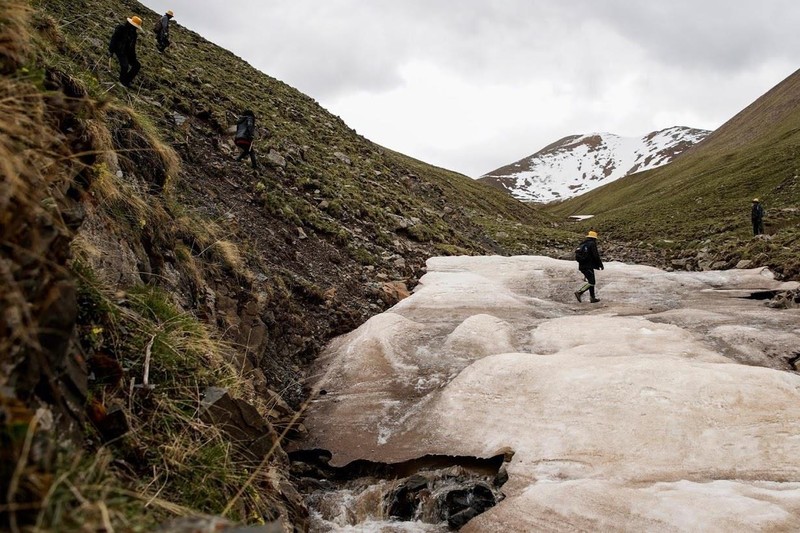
<point x="588" y="258"/>
<point x="757" y="217"/>
<point x="161" y="30"/>
<point x="245" y="132"/>
<point x="123" y="45"/>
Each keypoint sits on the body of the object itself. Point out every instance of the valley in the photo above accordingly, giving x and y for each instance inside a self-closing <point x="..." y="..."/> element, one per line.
<point x="349" y="339"/>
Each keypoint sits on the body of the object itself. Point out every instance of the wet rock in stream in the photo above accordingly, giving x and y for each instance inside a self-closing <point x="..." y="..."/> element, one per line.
<point x="444" y="491"/>
<point x="453" y="496"/>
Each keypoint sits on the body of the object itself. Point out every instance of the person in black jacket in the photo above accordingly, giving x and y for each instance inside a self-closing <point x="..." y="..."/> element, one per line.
<point x="162" y="31"/>
<point x="588" y="258"/>
<point x="757" y="217"/>
<point x="123" y="45"/>
<point x="245" y="132"/>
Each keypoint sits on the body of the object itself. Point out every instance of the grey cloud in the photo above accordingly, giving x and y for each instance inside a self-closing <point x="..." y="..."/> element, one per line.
<point x="672" y="57"/>
<point x="720" y="35"/>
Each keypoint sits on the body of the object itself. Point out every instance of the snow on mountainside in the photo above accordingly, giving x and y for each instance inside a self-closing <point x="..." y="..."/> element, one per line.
<point x="579" y="163"/>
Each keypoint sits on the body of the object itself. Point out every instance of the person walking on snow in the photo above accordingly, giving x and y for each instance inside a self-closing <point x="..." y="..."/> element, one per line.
<point x="757" y="217"/>
<point x="588" y="258"/>
<point x="162" y="31"/>
<point x="123" y="45"/>
<point x="245" y="131"/>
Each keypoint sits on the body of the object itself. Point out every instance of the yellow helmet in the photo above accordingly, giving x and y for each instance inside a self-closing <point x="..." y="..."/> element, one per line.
<point x="755" y="200"/>
<point x="170" y="13"/>
<point x="592" y="234"/>
<point x="136" y="21"/>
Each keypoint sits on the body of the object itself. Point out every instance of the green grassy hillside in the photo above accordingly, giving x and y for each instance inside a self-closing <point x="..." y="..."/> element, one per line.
<point x="702" y="200"/>
<point x="142" y="269"/>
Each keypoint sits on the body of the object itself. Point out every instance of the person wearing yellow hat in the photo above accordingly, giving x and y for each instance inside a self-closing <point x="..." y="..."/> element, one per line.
<point x="757" y="217"/>
<point x="162" y="31"/>
<point x="588" y="258"/>
<point x="123" y="45"/>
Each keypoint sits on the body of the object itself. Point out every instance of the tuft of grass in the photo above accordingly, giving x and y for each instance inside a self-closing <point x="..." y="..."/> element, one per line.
<point x="230" y="255"/>
<point x="176" y="463"/>
<point x="139" y="147"/>
<point x="14" y="35"/>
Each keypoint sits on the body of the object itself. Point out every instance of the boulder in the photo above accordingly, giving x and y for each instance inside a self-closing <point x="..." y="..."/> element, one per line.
<point x="238" y="419"/>
<point x="679" y="264"/>
<point x="403" y="502"/>
<point x="744" y="264"/>
<point x="276" y="158"/>
<point x="463" y="504"/>
<point x="343" y="158"/>
<point x="393" y="291"/>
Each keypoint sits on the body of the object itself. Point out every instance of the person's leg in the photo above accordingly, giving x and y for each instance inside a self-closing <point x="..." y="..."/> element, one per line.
<point x="760" y="227"/>
<point x="253" y="157"/>
<point x="755" y="227"/>
<point x="243" y="152"/>
<point x="124" y="66"/>
<point x="588" y="273"/>
<point x="135" y="67"/>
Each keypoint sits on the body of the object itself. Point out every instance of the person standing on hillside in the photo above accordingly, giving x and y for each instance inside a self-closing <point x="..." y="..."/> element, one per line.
<point x="588" y="258"/>
<point x="123" y="45"/>
<point x="757" y="217"/>
<point x="161" y="30"/>
<point x="245" y="132"/>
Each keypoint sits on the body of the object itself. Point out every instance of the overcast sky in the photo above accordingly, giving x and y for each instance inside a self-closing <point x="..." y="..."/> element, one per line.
<point x="472" y="85"/>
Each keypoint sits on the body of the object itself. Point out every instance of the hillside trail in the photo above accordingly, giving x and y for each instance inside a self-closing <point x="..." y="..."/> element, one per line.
<point x="670" y="405"/>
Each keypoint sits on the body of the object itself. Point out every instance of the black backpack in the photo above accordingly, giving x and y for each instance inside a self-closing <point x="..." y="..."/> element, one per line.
<point x="246" y="127"/>
<point x="582" y="253"/>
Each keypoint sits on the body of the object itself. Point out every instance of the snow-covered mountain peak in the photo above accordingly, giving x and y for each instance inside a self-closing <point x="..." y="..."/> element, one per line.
<point x="579" y="163"/>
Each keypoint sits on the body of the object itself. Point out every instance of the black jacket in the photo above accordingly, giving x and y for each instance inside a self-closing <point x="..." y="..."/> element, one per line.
<point x="163" y="28"/>
<point x="123" y="41"/>
<point x="246" y="127"/>
<point x="593" y="261"/>
<point x="757" y="213"/>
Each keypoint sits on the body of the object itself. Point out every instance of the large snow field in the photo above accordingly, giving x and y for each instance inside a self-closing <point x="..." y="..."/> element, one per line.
<point x="667" y="406"/>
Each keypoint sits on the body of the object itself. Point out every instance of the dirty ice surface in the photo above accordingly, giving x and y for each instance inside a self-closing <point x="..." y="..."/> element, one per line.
<point x="667" y="406"/>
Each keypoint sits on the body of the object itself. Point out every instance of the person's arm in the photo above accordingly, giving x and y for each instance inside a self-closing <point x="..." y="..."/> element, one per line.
<point x="251" y="127"/>
<point x="596" y="253"/>
<point x="113" y="45"/>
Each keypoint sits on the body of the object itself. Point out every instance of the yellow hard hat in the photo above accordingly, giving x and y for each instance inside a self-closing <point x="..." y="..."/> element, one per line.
<point x="592" y="234"/>
<point x="170" y="13"/>
<point x="136" y="21"/>
<point x="755" y="200"/>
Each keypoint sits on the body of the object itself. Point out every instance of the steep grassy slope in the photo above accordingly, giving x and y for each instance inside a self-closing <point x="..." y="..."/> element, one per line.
<point x="703" y="199"/>
<point x="141" y="265"/>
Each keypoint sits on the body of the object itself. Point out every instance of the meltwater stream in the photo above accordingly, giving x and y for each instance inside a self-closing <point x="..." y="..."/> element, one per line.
<point x="670" y="405"/>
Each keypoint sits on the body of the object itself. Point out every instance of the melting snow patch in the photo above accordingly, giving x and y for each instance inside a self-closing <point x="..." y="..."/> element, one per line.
<point x="637" y="415"/>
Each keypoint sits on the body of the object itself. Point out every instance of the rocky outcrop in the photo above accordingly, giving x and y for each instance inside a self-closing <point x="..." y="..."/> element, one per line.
<point x="247" y="429"/>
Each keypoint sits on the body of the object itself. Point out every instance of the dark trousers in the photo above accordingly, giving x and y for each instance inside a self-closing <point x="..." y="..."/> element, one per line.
<point x="758" y="226"/>
<point x="128" y="69"/>
<point x="588" y="273"/>
<point x="162" y="42"/>
<point x="247" y="149"/>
